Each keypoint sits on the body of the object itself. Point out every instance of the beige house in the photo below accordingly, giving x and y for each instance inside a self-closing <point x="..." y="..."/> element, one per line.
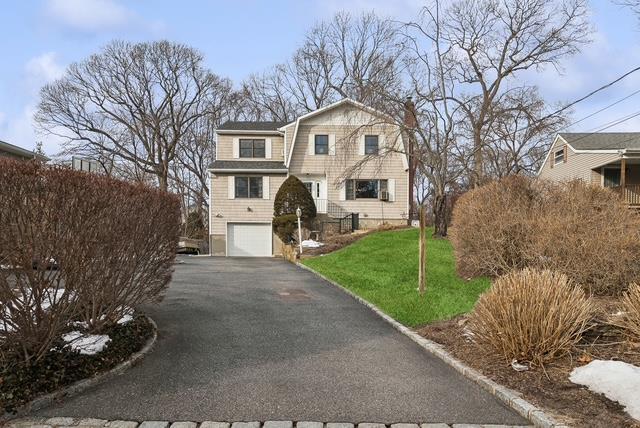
<point x="10" y="151"/>
<point x="347" y="154"/>
<point x="610" y="159"/>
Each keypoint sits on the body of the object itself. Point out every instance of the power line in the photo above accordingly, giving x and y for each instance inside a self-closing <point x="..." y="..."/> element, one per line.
<point x="579" y="100"/>
<point x="592" y="93"/>
<point x="611" y="123"/>
<point x="601" y="110"/>
<point x="607" y="126"/>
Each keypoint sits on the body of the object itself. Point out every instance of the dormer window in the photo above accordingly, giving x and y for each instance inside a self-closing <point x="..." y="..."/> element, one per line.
<point x="251" y="148"/>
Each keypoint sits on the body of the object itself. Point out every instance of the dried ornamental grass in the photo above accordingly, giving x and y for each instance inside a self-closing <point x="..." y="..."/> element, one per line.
<point x="531" y="315"/>
<point x="630" y="318"/>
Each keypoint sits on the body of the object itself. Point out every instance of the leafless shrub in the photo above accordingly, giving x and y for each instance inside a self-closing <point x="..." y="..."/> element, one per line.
<point x="581" y="230"/>
<point x="110" y="245"/>
<point x="493" y="226"/>
<point x="630" y="317"/>
<point x="531" y="315"/>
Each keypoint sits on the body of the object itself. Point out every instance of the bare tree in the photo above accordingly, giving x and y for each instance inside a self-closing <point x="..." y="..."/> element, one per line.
<point x="520" y="133"/>
<point x="135" y="101"/>
<point x="493" y="41"/>
<point x="434" y="119"/>
<point x="354" y="57"/>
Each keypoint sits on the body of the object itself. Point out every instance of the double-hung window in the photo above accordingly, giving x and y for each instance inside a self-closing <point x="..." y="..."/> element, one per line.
<point x="248" y="187"/>
<point x="558" y="156"/>
<point x="321" y="144"/>
<point x="370" y="144"/>
<point x="364" y="189"/>
<point x="251" y="148"/>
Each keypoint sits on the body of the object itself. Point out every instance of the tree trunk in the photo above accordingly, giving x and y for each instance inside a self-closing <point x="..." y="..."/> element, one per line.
<point x="477" y="176"/>
<point x="422" y="264"/>
<point x="440" y="216"/>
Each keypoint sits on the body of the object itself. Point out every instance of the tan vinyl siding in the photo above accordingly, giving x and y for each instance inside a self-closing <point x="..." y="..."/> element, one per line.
<point x="347" y="155"/>
<point x="577" y="165"/>
<point x="224" y="146"/>
<point x="235" y="210"/>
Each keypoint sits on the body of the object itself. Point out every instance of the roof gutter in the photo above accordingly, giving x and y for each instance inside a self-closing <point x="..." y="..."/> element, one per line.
<point x="262" y="171"/>
<point x="245" y="131"/>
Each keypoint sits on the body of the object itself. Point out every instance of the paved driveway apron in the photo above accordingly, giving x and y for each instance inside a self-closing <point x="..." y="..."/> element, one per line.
<point x="261" y="339"/>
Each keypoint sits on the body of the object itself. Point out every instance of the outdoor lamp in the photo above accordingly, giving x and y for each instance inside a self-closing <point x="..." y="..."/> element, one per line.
<point x="299" y="214"/>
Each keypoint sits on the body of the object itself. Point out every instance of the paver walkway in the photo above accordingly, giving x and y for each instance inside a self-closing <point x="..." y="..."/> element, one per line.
<point x="261" y="339"/>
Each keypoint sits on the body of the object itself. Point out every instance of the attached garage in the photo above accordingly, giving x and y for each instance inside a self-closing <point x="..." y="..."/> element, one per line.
<point x="249" y="240"/>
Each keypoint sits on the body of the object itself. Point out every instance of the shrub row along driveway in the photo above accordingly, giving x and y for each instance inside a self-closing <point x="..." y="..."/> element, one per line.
<point x="261" y="339"/>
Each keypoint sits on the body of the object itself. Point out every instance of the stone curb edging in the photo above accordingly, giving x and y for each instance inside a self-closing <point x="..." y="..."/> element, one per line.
<point x="508" y="396"/>
<point x="60" y="422"/>
<point x="81" y="385"/>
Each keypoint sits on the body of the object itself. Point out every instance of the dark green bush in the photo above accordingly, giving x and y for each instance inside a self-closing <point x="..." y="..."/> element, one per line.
<point x="291" y="195"/>
<point x="285" y="227"/>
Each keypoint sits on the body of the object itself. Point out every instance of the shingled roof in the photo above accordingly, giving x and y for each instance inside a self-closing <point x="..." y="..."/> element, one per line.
<point x="250" y="126"/>
<point x="602" y="140"/>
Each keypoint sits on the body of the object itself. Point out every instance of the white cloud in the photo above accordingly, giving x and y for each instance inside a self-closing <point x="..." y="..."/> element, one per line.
<point x="42" y="69"/>
<point x="90" y="15"/>
<point x="19" y="128"/>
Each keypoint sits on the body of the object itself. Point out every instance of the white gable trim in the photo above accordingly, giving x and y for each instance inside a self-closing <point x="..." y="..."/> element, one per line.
<point x="326" y="108"/>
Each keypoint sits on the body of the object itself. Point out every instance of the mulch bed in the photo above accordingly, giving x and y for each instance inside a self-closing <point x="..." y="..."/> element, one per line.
<point x="335" y="242"/>
<point x="19" y="384"/>
<point x="548" y="387"/>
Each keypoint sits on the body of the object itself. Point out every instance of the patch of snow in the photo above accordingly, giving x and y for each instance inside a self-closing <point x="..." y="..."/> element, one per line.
<point x="6" y="267"/>
<point x="87" y="344"/>
<point x="617" y="380"/>
<point x="125" y="319"/>
<point x="310" y="243"/>
<point x="519" y="367"/>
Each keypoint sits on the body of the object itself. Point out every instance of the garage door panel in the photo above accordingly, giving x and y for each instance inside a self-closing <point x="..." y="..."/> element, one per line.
<point x="249" y="239"/>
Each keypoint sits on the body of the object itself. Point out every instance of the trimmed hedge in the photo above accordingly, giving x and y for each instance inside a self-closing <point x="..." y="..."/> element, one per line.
<point x="111" y="244"/>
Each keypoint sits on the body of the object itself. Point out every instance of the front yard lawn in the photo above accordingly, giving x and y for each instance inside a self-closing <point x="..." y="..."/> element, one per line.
<point x="383" y="269"/>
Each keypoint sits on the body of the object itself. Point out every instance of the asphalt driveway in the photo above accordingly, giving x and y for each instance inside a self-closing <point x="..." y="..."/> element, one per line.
<point x="261" y="339"/>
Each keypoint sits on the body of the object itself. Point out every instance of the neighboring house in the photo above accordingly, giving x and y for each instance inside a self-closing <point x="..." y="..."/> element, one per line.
<point x="15" y="152"/>
<point x="321" y="148"/>
<point x="610" y="159"/>
<point x="80" y="163"/>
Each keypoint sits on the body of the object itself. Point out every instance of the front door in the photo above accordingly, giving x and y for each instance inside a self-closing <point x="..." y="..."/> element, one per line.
<point x="318" y="191"/>
<point x="314" y="188"/>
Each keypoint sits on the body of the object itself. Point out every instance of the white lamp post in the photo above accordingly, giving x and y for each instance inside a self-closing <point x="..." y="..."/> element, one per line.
<point x="299" y="214"/>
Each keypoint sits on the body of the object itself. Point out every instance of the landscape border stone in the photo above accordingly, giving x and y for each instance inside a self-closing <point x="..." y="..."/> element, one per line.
<point x="81" y="385"/>
<point x="508" y="396"/>
<point x="76" y="423"/>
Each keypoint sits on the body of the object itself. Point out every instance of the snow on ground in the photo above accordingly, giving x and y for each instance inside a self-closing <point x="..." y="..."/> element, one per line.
<point x="87" y="344"/>
<point x="617" y="380"/>
<point x="310" y="243"/>
<point x="125" y="319"/>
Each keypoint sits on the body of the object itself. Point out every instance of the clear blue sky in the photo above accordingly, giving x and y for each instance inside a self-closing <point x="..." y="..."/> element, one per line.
<point x="39" y="38"/>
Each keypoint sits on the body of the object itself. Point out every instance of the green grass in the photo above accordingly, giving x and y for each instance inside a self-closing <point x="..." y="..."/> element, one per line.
<point x="383" y="269"/>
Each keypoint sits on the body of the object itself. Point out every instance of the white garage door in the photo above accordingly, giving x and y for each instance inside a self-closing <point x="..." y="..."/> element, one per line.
<point x="249" y="239"/>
